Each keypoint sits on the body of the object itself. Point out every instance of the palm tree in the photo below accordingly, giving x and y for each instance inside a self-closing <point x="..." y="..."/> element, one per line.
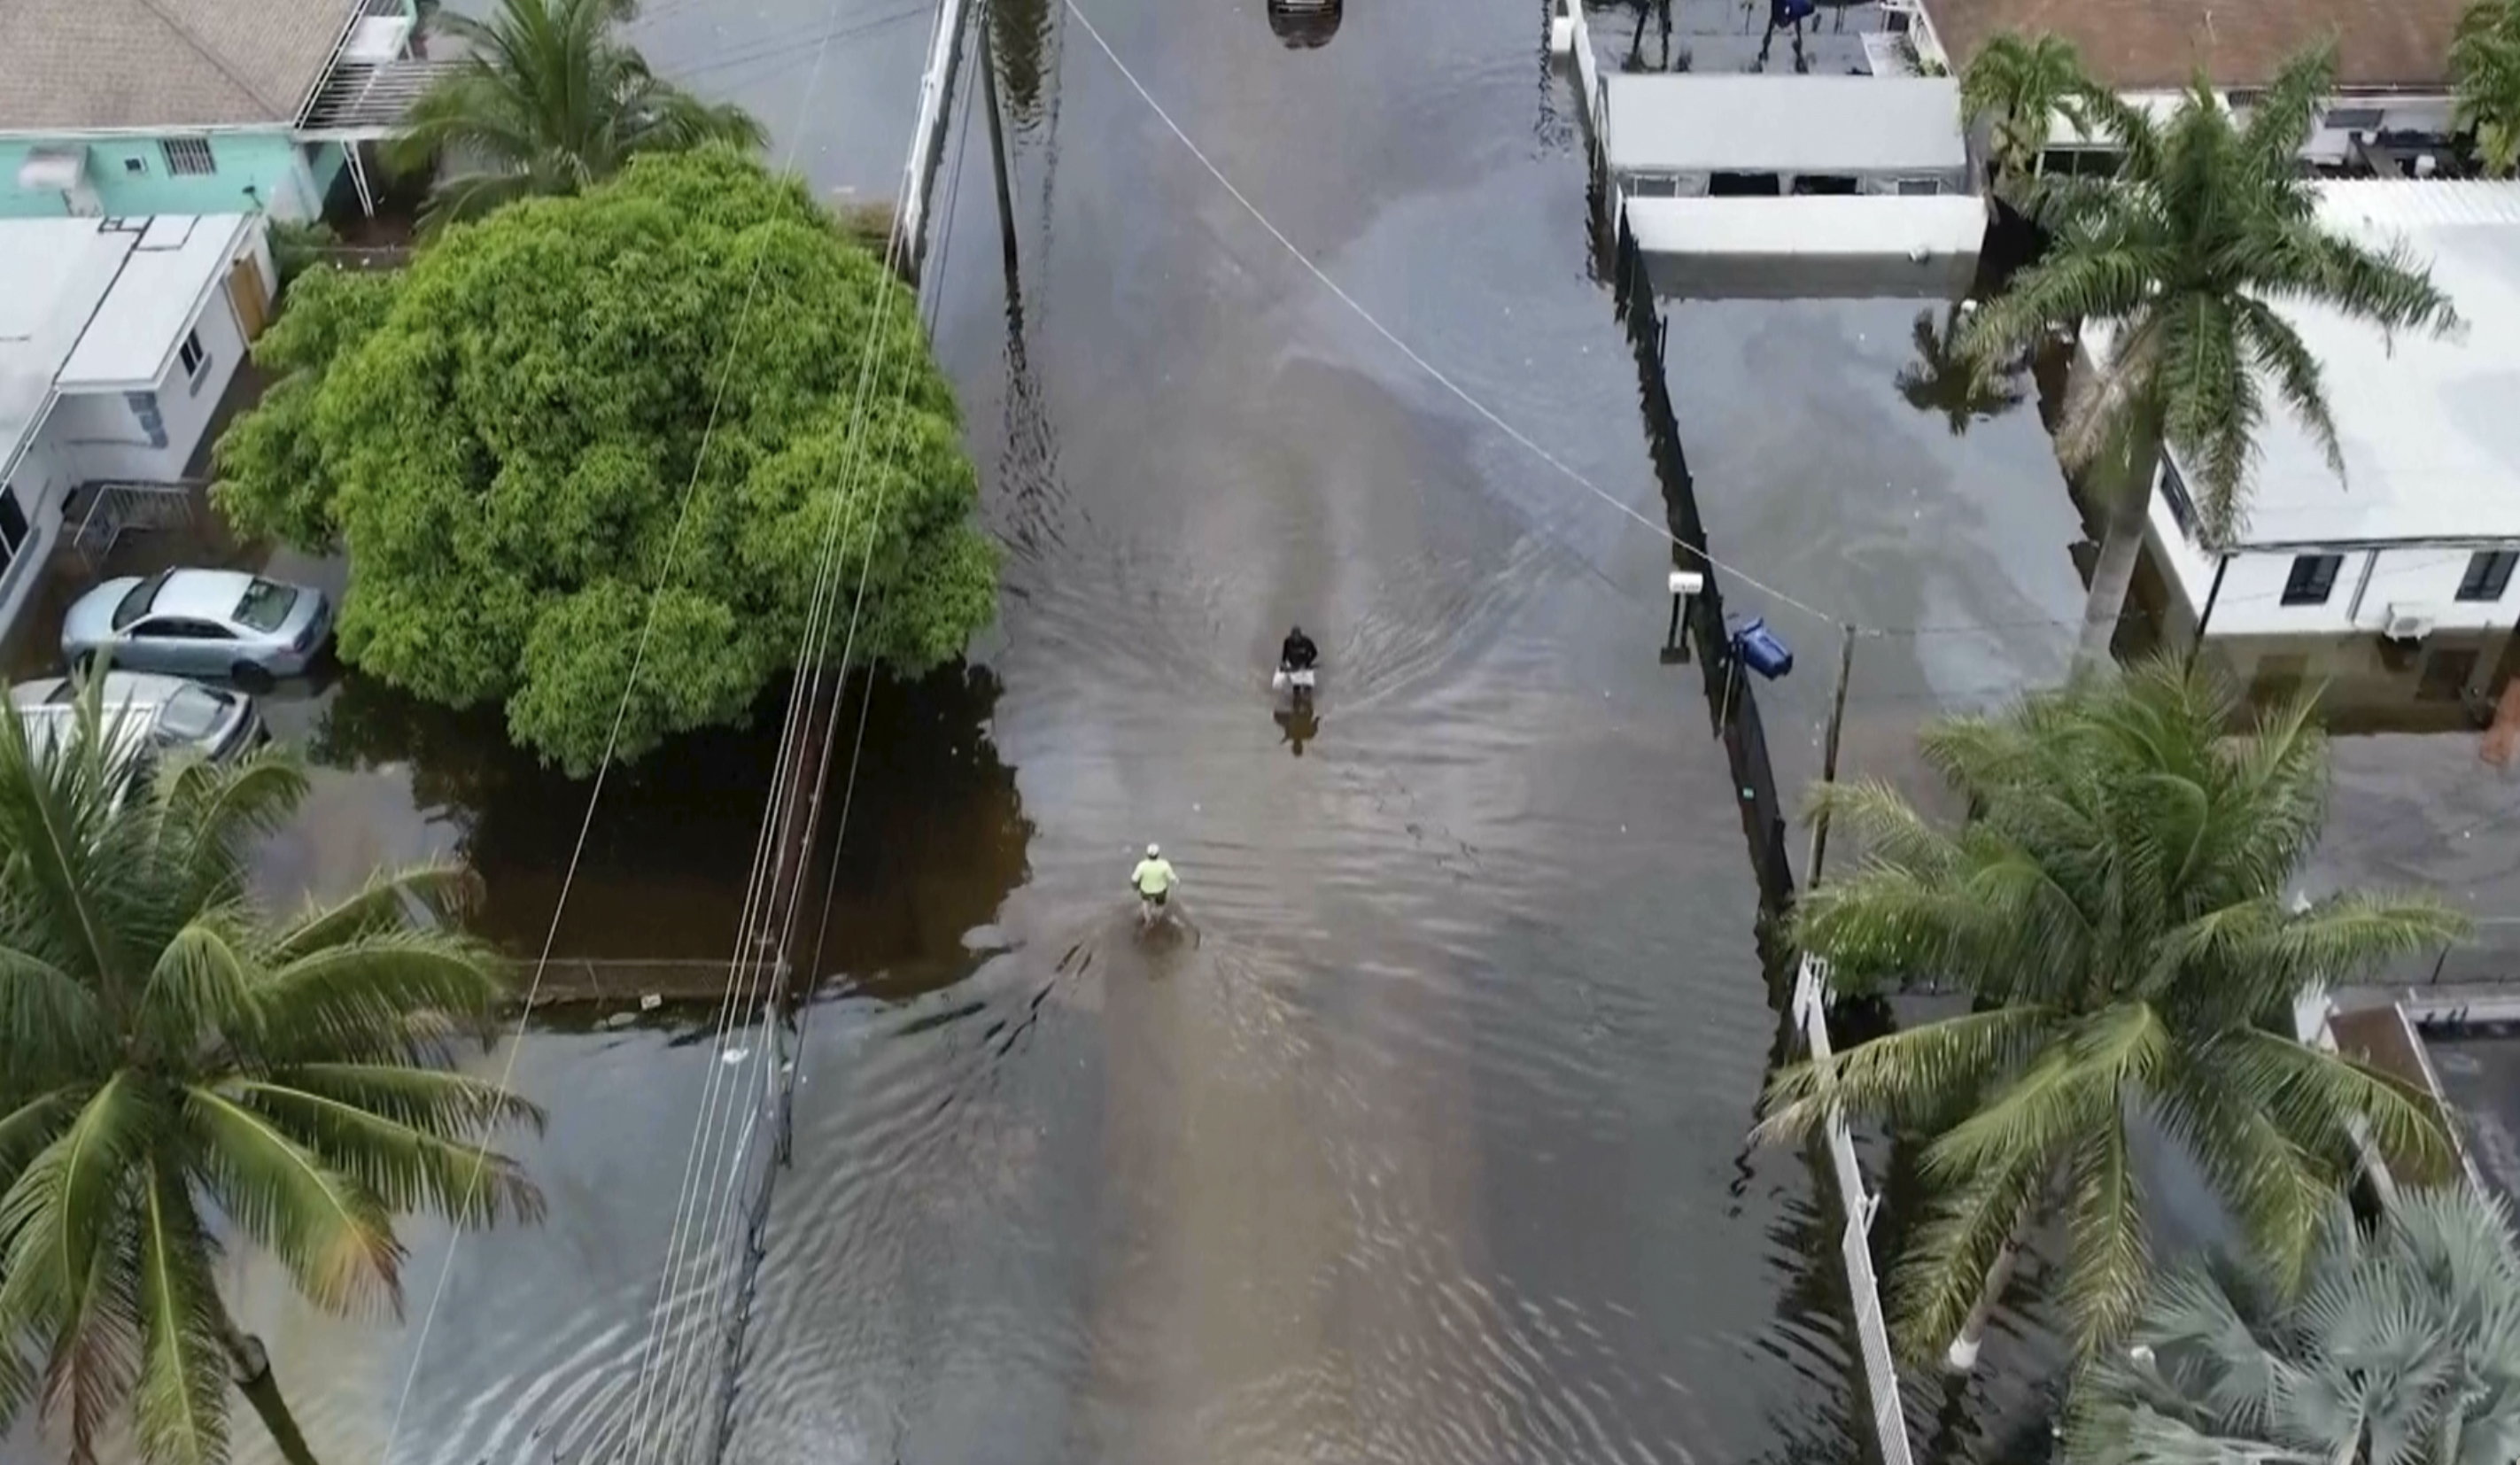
<point x="2182" y="256"/>
<point x="548" y="100"/>
<point x="1960" y="388"/>
<point x="2402" y="1344"/>
<point x="182" y="1074"/>
<point x="2116" y="908"/>
<point x="2017" y="85"/>
<point x="2485" y="61"/>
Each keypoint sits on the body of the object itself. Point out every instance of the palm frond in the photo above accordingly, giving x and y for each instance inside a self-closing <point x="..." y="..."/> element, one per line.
<point x="51" y="1019"/>
<point x="452" y="1104"/>
<point x="1940" y="1274"/>
<point x="180" y="1411"/>
<point x="2112" y="1261"/>
<point x="353" y="990"/>
<point x="67" y="1218"/>
<point x="332" y="1233"/>
<point x="2276" y="1183"/>
<point x="2323" y="1096"/>
<point x="27" y="1128"/>
<point x="389" y="901"/>
<point x="410" y="1168"/>
<point x="2397" y="1347"/>
<point x="2117" y="905"/>
<point x="2287" y="112"/>
<point x="2074" y="1088"/>
<point x="202" y="983"/>
<point x="1897" y="1074"/>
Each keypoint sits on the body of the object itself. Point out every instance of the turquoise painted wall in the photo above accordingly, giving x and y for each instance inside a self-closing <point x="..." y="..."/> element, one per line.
<point x="130" y="177"/>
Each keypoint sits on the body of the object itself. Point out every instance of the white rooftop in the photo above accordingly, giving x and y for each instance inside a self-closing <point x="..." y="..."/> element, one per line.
<point x="1694" y="123"/>
<point x="76" y="294"/>
<point x="179" y="260"/>
<point x="2431" y="428"/>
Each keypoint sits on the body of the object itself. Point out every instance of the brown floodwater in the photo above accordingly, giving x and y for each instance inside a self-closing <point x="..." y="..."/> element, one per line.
<point x="1424" y="1141"/>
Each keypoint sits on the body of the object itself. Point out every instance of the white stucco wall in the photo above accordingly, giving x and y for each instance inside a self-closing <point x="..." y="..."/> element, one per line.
<point x="2251" y="602"/>
<point x="100" y="436"/>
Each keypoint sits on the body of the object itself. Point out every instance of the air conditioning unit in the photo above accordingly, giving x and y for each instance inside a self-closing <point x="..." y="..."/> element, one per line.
<point x="2408" y="622"/>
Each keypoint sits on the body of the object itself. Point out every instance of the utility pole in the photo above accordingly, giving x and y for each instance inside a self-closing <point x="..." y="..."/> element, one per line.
<point x="998" y="156"/>
<point x="1829" y="753"/>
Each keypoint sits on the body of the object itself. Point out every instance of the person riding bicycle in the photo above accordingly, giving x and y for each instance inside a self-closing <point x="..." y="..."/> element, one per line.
<point x="1153" y="879"/>
<point x="1297" y="653"/>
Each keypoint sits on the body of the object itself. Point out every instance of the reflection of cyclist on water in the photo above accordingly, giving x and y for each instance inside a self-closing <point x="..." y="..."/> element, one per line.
<point x="1153" y="879"/>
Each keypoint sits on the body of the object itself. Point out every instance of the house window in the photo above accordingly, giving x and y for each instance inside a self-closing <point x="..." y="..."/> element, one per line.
<point x="2489" y="574"/>
<point x="2174" y="492"/>
<point x="2351" y="119"/>
<point x="188" y="157"/>
<point x="189" y="353"/>
<point x="1918" y="188"/>
<point x="135" y="165"/>
<point x="2313" y="579"/>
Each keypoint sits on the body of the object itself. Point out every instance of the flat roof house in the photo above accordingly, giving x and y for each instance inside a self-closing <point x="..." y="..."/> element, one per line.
<point x="2418" y="544"/>
<point x="2392" y="59"/>
<point x="1748" y="185"/>
<point x="129" y="107"/>
<point x="118" y="337"/>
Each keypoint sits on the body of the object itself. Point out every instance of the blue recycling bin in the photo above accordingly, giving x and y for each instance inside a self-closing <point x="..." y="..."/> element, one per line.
<point x="1761" y="648"/>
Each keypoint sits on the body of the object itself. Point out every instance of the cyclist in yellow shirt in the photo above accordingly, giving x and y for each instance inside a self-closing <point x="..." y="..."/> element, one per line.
<point x="1153" y="879"/>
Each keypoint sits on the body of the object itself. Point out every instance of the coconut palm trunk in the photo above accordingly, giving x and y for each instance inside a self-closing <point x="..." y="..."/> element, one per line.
<point x="1961" y="1355"/>
<point x="2123" y="481"/>
<point x="250" y="1364"/>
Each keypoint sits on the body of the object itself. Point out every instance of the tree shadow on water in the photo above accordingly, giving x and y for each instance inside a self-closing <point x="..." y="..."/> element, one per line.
<point x="937" y="834"/>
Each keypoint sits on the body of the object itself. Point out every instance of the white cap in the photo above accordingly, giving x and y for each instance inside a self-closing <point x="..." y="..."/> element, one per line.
<point x="1152" y="852"/>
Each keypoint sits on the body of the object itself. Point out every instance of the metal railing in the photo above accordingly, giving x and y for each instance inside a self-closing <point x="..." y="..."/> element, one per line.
<point x="114" y="508"/>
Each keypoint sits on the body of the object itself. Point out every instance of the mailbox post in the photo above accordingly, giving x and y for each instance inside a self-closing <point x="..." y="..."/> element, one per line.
<point x="1685" y="587"/>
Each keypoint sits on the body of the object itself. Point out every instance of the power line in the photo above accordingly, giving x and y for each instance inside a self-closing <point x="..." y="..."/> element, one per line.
<point x="1433" y="371"/>
<point x="762" y="902"/>
<point x="604" y="765"/>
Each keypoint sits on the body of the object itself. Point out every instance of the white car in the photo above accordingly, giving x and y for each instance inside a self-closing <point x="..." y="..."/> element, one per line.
<point x="169" y="712"/>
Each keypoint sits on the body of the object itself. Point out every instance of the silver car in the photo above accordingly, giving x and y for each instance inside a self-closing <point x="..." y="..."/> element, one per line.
<point x="161" y="714"/>
<point x="201" y="623"/>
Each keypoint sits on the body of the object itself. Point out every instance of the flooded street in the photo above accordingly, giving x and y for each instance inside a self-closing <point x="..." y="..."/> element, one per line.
<point x="1423" y="1140"/>
<point x="1426" y="1145"/>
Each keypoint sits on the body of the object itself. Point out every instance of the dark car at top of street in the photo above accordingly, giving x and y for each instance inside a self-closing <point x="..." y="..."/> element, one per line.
<point x="201" y="623"/>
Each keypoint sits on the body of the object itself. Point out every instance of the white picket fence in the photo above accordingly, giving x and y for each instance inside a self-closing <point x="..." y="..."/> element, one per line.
<point x="1871" y="1330"/>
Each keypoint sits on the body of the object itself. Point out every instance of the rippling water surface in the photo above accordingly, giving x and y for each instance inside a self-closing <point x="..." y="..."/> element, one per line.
<point x="1423" y="1140"/>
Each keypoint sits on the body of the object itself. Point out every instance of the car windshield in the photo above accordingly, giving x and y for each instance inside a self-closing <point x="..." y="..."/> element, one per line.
<point x="136" y="603"/>
<point x="192" y="713"/>
<point x="265" y="605"/>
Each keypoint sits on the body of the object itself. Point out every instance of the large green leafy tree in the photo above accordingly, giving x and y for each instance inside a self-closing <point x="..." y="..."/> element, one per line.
<point x="2184" y="257"/>
<point x="548" y="99"/>
<point x="2401" y="1344"/>
<point x="2118" y="910"/>
<point x="2485" y="69"/>
<point x="512" y="437"/>
<point x="184" y="1073"/>
<point x="2016" y="86"/>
